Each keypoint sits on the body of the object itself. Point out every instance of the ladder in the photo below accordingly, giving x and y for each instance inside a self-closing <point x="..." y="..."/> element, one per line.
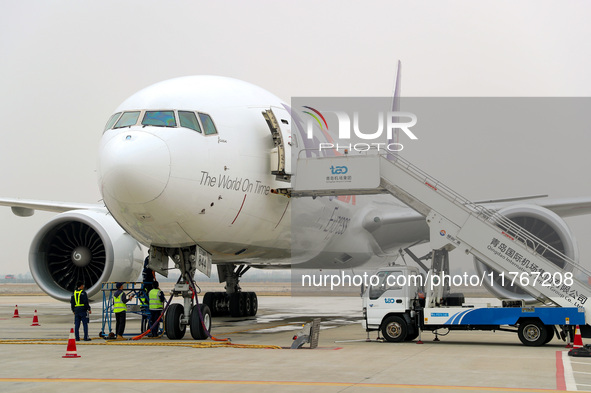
<point x="454" y="222"/>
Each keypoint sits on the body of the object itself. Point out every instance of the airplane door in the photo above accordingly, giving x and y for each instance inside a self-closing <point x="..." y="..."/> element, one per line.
<point x="278" y="120"/>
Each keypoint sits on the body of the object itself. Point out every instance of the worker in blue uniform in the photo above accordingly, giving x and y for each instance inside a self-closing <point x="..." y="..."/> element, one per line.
<point x="156" y="300"/>
<point x="81" y="309"/>
<point x="120" y="309"/>
<point x="148" y="274"/>
<point x="145" y="308"/>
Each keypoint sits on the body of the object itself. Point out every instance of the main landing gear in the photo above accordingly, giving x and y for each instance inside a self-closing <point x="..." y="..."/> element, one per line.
<point x="233" y="301"/>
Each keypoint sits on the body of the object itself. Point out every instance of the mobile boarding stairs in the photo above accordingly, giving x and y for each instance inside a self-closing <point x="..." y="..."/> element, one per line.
<point x="454" y="221"/>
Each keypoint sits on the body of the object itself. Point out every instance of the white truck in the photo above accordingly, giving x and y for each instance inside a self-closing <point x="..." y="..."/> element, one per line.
<point x="400" y="304"/>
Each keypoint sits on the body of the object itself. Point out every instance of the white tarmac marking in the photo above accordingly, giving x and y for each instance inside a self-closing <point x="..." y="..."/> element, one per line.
<point x="569" y="377"/>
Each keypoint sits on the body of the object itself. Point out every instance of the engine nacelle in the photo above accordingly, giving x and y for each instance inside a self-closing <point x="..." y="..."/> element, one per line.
<point x="547" y="226"/>
<point x="83" y="245"/>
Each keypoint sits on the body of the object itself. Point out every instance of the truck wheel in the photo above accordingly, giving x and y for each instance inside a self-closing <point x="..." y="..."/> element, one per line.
<point x="550" y="336"/>
<point x="532" y="333"/>
<point x="394" y="329"/>
<point x="412" y="336"/>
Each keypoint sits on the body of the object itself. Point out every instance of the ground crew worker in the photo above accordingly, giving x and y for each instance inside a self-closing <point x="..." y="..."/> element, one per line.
<point x="148" y="274"/>
<point x="81" y="309"/>
<point x="156" y="299"/>
<point x="120" y="310"/>
<point x="144" y="306"/>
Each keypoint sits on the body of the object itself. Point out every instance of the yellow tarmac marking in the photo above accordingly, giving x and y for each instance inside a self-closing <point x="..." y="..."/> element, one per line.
<point x="204" y="344"/>
<point x="278" y="383"/>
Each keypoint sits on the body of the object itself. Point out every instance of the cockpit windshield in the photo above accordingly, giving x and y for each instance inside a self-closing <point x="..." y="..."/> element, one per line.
<point x="207" y="124"/>
<point x="128" y="119"/>
<point x="112" y="121"/>
<point x="159" y="119"/>
<point x="196" y="121"/>
<point x="189" y="120"/>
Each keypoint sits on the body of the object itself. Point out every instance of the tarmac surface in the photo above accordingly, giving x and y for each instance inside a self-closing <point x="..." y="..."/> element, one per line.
<point x="32" y="360"/>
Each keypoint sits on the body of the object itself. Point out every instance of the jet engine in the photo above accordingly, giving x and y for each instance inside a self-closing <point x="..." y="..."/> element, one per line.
<point x="547" y="226"/>
<point x="86" y="246"/>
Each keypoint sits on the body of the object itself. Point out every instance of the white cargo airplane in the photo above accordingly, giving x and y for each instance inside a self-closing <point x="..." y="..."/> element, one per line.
<point x="190" y="167"/>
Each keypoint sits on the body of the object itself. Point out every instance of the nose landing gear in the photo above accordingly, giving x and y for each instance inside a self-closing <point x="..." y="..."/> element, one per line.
<point x="190" y="313"/>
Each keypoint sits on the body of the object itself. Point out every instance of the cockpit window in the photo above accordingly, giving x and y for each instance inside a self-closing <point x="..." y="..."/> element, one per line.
<point x="200" y="122"/>
<point x="112" y="121"/>
<point x="189" y="120"/>
<point x="159" y="118"/>
<point x="208" y="125"/>
<point x="128" y="119"/>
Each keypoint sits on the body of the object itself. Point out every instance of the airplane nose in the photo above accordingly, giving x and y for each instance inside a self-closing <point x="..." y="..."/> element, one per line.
<point x="135" y="167"/>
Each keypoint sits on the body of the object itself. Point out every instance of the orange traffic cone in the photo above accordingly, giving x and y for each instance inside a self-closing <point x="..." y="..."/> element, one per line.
<point x="16" y="312"/>
<point x="35" y="320"/>
<point x="71" y="350"/>
<point x="578" y="342"/>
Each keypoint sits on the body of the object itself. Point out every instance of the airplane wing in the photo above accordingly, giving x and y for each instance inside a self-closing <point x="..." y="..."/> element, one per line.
<point x="564" y="207"/>
<point x="415" y="226"/>
<point x="26" y="207"/>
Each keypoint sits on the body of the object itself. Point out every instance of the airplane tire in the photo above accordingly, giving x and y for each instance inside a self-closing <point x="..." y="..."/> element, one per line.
<point x="254" y="304"/>
<point x="394" y="329"/>
<point x="172" y="322"/>
<point x="247" y="303"/>
<point x="532" y="333"/>
<point x="210" y="299"/>
<point x="197" y="331"/>
<point x="223" y="303"/>
<point x="236" y="305"/>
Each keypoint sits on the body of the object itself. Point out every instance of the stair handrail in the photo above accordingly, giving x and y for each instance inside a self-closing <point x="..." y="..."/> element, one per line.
<point x="490" y="217"/>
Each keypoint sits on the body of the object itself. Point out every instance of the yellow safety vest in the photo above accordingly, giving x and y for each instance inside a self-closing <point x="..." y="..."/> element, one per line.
<point x="118" y="305"/>
<point x="143" y="300"/>
<point x="77" y="298"/>
<point x="155" y="302"/>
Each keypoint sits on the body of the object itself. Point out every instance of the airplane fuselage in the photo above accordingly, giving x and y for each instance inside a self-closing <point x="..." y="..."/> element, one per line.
<point x="187" y="161"/>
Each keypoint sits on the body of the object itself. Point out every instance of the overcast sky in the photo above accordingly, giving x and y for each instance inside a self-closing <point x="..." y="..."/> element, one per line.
<point x="66" y="65"/>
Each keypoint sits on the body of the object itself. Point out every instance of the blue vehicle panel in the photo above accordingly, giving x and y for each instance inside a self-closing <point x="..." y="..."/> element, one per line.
<point x="510" y="316"/>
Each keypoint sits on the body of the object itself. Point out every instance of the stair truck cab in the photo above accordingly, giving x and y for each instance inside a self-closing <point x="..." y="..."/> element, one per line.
<point x="401" y="301"/>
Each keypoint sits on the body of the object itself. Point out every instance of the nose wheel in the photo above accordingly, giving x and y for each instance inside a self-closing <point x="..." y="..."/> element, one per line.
<point x="173" y="322"/>
<point x="200" y="321"/>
